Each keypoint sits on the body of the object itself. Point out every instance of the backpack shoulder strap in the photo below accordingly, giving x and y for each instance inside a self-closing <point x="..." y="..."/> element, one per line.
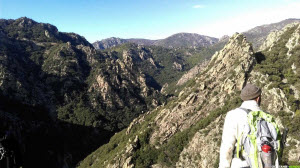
<point x="246" y="110"/>
<point x="240" y="136"/>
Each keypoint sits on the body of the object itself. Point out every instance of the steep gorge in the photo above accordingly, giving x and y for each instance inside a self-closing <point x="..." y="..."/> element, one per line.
<point x="186" y="132"/>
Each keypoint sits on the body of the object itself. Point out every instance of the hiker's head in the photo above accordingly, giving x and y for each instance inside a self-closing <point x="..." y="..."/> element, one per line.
<point x="251" y="92"/>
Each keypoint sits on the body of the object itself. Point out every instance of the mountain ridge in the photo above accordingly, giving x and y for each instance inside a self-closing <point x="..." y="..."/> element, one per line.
<point x="190" y="40"/>
<point x="255" y="35"/>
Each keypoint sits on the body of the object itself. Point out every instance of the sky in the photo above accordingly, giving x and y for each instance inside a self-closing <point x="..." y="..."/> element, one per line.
<point x="151" y="19"/>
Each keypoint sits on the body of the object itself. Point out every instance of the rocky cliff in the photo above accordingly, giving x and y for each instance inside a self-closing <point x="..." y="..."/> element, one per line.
<point x="164" y="65"/>
<point x="192" y="73"/>
<point x="186" y="132"/>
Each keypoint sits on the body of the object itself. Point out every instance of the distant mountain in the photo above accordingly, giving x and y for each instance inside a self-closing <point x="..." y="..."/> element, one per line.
<point x="141" y="41"/>
<point x="259" y="34"/>
<point x="114" y="41"/>
<point x="189" y="40"/>
<point x="109" y="42"/>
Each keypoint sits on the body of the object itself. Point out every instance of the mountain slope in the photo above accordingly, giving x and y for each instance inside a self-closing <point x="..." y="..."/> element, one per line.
<point x="186" y="132"/>
<point x="259" y="34"/>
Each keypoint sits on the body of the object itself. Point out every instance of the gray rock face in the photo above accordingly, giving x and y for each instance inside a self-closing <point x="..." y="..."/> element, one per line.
<point x="192" y="73"/>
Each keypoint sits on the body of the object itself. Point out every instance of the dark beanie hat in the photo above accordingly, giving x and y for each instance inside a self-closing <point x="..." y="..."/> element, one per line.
<point x="250" y="92"/>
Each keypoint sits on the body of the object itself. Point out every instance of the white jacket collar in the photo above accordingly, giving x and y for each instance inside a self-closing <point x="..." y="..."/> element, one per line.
<point x="250" y="104"/>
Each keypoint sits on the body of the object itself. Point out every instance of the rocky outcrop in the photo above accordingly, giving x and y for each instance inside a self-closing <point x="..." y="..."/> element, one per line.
<point x="294" y="40"/>
<point x="177" y="66"/>
<point x="274" y="36"/>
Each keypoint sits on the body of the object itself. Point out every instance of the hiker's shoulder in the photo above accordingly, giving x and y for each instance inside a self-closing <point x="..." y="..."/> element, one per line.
<point x="235" y="111"/>
<point x="235" y="114"/>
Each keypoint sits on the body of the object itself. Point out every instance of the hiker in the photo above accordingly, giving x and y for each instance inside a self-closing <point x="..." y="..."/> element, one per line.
<point x="237" y="145"/>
